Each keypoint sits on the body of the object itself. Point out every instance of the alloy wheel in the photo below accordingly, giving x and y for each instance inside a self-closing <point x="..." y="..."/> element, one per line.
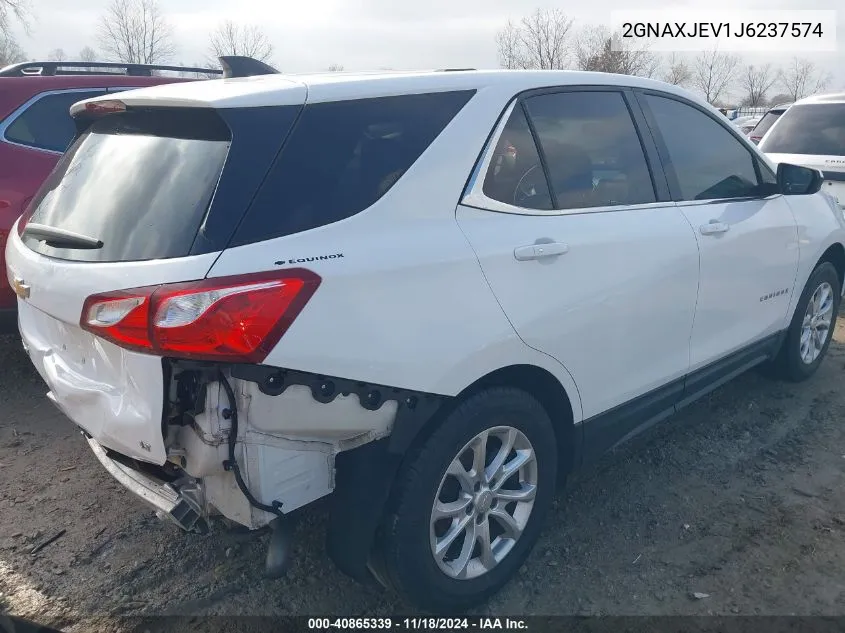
<point x="483" y="503"/>
<point x="815" y="328"/>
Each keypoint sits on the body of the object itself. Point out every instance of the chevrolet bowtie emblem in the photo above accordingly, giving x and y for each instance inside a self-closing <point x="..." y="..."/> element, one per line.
<point x="21" y="288"/>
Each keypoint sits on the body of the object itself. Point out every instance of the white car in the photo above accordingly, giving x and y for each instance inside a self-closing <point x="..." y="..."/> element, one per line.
<point x="426" y="294"/>
<point x="812" y="133"/>
<point x="740" y="121"/>
<point x="747" y="126"/>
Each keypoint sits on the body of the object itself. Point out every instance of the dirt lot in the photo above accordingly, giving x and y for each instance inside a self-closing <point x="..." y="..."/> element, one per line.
<point x="741" y="498"/>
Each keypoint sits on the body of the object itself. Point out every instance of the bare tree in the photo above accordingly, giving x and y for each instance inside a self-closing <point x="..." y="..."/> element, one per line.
<point x="756" y="81"/>
<point x="335" y="68"/>
<point x="539" y="40"/>
<point x="17" y="9"/>
<point x="599" y="50"/>
<point x="231" y="38"/>
<point x="10" y="51"/>
<point x="713" y="72"/>
<point x="801" y="78"/>
<point x="56" y="55"/>
<point x="135" y="31"/>
<point x="677" y="71"/>
<point x="87" y="54"/>
<point x="509" y="45"/>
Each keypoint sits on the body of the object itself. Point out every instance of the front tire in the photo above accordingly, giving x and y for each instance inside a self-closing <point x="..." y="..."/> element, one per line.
<point x="811" y="330"/>
<point x="471" y="503"/>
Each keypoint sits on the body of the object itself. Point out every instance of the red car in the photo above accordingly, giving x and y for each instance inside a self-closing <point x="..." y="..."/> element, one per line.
<point x="36" y="127"/>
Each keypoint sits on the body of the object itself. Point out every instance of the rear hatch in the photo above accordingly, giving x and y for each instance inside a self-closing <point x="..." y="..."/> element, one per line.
<point x="812" y="135"/>
<point x="145" y="196"/>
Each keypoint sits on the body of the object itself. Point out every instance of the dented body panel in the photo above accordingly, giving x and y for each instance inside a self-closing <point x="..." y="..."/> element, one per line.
<point x="113" y="394"/>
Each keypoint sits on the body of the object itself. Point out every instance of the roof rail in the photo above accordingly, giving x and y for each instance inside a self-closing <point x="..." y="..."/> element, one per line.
<point x="240" y="66"/>
<point x="233" y="66"/>
<point x="454" y="70"/>
<point x="45" y="69"/>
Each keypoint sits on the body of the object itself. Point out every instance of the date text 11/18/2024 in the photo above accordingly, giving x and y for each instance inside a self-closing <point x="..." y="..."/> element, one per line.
<point x="417" y="624"/>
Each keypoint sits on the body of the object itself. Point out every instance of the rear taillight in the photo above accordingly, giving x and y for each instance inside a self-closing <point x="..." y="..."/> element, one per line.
<point x="237" y="319"/>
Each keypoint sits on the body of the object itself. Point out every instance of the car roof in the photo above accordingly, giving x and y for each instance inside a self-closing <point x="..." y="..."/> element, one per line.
<point x="287" y="89"/>
<point x="833" y="97"/>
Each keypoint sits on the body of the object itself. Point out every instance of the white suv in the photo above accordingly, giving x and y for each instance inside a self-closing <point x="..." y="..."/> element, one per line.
<point x="812" y="133"/>
<point x="428" y="294"/>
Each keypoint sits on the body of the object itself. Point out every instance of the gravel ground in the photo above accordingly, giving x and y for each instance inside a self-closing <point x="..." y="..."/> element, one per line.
<point x="739" y="500"/>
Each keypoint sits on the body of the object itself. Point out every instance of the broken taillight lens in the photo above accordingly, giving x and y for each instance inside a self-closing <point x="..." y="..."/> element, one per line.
<point x="237" y="319"/>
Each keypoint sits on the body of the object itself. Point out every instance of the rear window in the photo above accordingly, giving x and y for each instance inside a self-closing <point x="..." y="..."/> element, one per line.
<point x="809" y="129"/>
<point x="765" y="123"/>
<point x="343" y="156"/>
<point x="140" y="182"/>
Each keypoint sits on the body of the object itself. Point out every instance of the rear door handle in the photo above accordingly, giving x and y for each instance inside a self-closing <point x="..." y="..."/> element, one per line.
<point x="714" y="227"/>
<point x="539" y="251"/>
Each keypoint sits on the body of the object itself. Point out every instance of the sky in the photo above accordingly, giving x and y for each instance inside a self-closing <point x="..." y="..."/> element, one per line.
<point x="372" y="34"/>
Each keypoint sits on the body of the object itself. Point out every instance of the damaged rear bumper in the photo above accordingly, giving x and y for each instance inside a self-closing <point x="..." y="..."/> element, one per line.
<point x="180" y="503"/>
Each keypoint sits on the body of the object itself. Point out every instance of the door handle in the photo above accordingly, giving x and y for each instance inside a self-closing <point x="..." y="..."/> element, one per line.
<point x="714" y="227"/>
<point x="539" y="251"/>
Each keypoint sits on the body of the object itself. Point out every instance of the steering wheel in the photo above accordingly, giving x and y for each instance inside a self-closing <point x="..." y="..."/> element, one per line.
<point x="528" y="184"/>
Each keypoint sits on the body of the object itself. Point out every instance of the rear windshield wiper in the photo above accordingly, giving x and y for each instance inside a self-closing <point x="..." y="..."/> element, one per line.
<point x="60" y="238"/>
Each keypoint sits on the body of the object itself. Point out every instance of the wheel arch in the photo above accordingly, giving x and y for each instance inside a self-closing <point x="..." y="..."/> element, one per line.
<point x="374" y="467"/>
<point x="835" y="254"/>
<point x="549" y="392"/>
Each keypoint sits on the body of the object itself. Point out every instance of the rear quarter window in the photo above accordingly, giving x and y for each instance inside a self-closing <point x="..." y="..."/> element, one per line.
<point x="343" y="156"/>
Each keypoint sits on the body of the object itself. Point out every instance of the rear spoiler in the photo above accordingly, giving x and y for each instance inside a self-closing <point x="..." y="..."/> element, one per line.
<point x="234" y="66"/>
<point x="240" y="66"/>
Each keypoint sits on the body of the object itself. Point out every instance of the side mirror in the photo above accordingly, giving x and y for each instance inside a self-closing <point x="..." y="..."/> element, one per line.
<point x="795" y="180"/>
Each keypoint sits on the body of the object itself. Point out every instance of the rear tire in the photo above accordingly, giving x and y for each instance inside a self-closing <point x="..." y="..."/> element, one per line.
<point x="452" y="539"/>
<point x="811" y="330"/>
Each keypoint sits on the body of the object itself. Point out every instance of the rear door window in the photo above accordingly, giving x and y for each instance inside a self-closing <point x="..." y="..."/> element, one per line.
<point x="515" y="175"/>
<point x="46" y="124"/>
<point x="592" y="150"/>
<point x="341" y="157"/>
<point x="817" y="128"/>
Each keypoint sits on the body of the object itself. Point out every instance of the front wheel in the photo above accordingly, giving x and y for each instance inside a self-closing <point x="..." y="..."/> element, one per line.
<point x="811" y="330"/>
<point x="471" y="503"/>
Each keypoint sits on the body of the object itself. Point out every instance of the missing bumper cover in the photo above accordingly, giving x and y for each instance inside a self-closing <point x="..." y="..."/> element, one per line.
<point x="414" y="411"/>
<point x="178" y="501"/>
